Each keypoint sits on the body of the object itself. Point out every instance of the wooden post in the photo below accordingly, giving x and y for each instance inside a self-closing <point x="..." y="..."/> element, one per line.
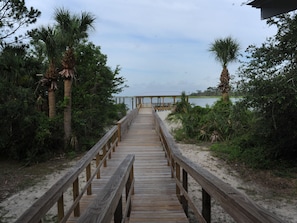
<point x="109" y="148"/>
<point x="115" y="139"/>
<point x="132" y="177"/>
<point x="76" y="210"/>
<point x="119" y="131"/>
<point x="61" y="208"/>
<point x="206" y="206"/>
<point x="172" y="165"/>
<point x="118" y="214"/>
<point x="177" y="189"/>
<point x="97" y="164"/>
<point x="185" y="186"/>
<point x="104" y="156"/>
<point x="128" y="189"/>
<point x="88" y="176"/>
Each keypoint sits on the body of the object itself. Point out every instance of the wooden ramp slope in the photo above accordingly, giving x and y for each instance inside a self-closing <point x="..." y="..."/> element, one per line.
<point x="154" y="199"/>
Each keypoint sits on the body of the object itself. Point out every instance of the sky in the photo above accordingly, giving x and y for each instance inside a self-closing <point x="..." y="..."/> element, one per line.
<point x="162" y="46"/>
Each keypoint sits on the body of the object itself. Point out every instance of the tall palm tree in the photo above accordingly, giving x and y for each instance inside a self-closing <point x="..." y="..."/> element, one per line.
<point x="48" y="36"/>
<point x="225" y="51"/>
<point x="73" y="29"/>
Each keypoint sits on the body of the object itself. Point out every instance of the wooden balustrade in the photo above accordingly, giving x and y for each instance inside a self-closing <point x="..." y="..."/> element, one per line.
<point x="100" y="152"/>
<point x="109" y="202"/>
<point x="231" y="200"/>
<point x="124" y="123"/>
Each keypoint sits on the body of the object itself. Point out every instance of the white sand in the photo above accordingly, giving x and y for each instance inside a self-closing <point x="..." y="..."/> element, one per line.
<point x="285" y="208"/>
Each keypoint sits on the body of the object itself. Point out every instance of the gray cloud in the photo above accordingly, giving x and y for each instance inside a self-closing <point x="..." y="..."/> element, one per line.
<point x="162" y="45"/>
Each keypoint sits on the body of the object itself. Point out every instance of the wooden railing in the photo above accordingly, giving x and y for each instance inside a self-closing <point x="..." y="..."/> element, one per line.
<point x="237" y="205"/>
<point x="109" y="202"/>
<point x="125" y="122"/>
<point x="91" y="163"/>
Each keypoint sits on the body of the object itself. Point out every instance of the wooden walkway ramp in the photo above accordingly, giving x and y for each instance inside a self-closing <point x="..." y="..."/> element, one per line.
<point x="155" y="195"/>
<point x="154" y="198"/>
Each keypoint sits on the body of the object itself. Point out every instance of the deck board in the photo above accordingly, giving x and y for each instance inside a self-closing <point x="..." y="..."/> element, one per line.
<point x="154" y="199"/>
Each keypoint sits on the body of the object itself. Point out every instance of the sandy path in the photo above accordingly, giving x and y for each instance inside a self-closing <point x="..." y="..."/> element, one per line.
<point x="285" y="208"/>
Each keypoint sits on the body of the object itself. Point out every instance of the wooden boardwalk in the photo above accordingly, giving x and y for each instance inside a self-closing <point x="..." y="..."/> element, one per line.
<point x="154" y="199"/>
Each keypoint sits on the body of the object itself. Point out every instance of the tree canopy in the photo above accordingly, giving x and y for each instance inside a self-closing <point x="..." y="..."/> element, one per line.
<point x="225" y="51"/>
<point x="14" y="15"/>
<point x="27" y="133"/>
<point x="268" y="78"/>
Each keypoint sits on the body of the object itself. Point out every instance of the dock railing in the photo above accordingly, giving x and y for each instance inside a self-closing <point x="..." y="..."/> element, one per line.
<point x="91" y="163"/>
<point x="237" y="205"/>
<point x="109" y="203"/>
<point x="125" y="122"/>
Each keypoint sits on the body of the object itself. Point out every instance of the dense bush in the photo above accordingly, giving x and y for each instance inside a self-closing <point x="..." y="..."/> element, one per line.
<point x="238" y="132"/>
<point x="207" y="124"/>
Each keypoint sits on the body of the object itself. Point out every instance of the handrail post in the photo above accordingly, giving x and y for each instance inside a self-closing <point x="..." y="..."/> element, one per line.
<point x="206" y="206"/>
<point x="119" y="131"/>
<point x="118" y="214"/>
<point x="177" y="175"/>
<point x="185" y="186"/>
<point x="97" y="164"/>
<point x="172" y="165"/>
<point x="61" y="208"/>
<point x="109" y="146"/>
<point x="88" y="176"/>
<point x="104" y="156"/>
<point x="75" y="195"/>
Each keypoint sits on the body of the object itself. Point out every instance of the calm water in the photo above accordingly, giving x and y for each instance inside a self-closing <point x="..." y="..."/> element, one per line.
<point x="203" y="102"/>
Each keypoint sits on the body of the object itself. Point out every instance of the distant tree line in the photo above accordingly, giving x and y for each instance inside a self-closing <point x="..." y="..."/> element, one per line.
<point x="56" y="89"/>
<point x="215" y="91"/>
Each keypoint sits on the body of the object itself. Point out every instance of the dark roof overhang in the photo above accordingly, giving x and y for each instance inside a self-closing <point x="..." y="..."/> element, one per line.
<point x="271" y="8"/>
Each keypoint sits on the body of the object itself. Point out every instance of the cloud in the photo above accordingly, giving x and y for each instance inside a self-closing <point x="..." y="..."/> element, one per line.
<point x="162" y="45"/>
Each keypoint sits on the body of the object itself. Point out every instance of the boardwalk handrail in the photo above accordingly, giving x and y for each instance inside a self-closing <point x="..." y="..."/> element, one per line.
<point x="55" y="194"/>
<point x="109" y="202"/>
<point x="101" y="151"/>
<point x="233" y="202"/>
<point x="125" y="122"/>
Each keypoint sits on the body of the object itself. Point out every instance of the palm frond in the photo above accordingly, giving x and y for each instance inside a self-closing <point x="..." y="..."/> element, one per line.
<point x="225" y="50"/>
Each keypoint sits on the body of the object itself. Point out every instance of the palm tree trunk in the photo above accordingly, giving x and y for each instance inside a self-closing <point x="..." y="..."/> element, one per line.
<point x="67" y="110"/>
<point x="51" y="103"/>
<point x="51" y="82"/>
<point x="224" y="84"/>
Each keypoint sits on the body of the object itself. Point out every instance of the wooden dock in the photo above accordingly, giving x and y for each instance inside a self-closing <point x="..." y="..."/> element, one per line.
<point x="155" y="195"/>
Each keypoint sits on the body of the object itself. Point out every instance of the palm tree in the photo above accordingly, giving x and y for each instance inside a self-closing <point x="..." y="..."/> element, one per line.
<point x="48" y="36"/>
<point x="73" y="29"/>
<point x="225" y="51"/>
